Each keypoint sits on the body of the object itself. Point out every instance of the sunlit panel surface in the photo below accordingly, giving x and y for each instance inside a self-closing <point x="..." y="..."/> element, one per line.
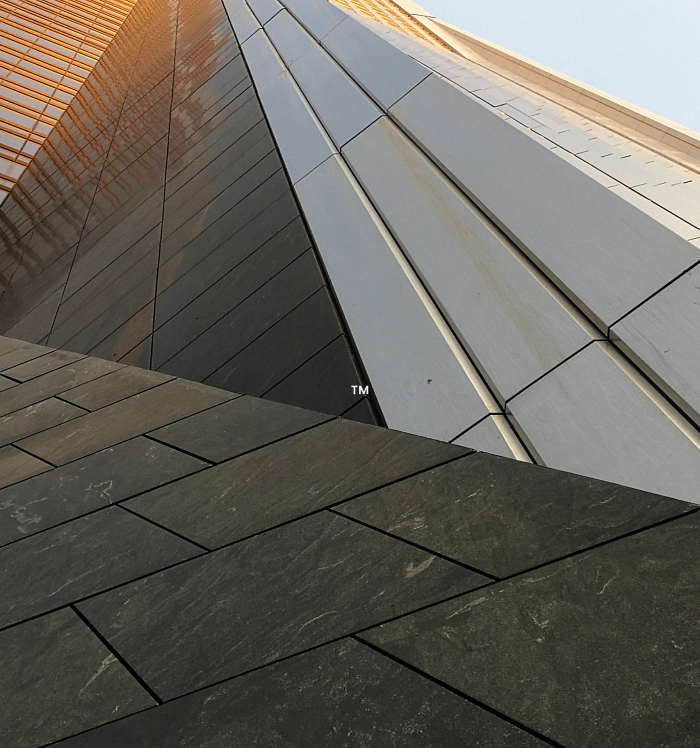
<point x="47" y="50"/>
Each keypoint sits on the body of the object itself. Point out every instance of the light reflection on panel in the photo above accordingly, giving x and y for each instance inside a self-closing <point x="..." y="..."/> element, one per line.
<point x="594" y="416"/>
<point x="516" y="329"/>
<point x="415" y="374"/>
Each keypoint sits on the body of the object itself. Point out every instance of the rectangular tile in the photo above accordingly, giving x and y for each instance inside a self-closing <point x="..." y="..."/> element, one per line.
<point x="329" y="381"/>
<point x="508" y="318"/>
<point x="595" y="415"/>
<point x="503" y="517"/>
<point x="267" y="598"/>
<point x="16" y="466"/>
<point x="353" y="691"/>
<point x="82" y="557"/>
<point x="237" y="426"/>
<point x="123" y="420"/>
<point x="55" y="382"/>
<point x="81" y="487"/>
<point x="393" y="322"/>
<point x="283" y="348"/>
<point x="603" y="645"/>
<point x="612" y="261"/>
<point x="42" y="365"/>
<point x="117" y="385"/>
<point x="35" y="418"/>
<point x="20" y="354"/>
<point x="243" y="324"/>
<point x="294" y="477"/>
<point x="384" y="71"/>
<point x="341" y="105"/>
<point x="57" y="679"/>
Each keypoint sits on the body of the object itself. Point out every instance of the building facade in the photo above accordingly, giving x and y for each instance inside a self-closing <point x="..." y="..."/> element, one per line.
<point x="308" y="201"/>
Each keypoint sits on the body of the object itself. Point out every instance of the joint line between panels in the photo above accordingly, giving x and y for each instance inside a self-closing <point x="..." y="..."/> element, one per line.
<point x="95" y="631"/>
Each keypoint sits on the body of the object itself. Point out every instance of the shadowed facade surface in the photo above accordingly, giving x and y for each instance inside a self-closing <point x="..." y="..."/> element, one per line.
<point x="183" y="565"/>
<point x="157" y="226"/>
<point x="354" y="208"/>
<point x="262" y="232"/>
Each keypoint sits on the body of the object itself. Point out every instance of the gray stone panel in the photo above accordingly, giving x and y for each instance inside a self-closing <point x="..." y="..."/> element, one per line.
<point x="252" y="603"/>
<point x="292" y="478"/>
<point x="57" y="679"/>
<point x="352" y="692"/>
<point x="594" y="650"/>
<point x="504" y="517"/>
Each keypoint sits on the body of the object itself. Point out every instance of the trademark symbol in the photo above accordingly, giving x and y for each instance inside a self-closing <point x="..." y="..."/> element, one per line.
<point x="358" y="389"/>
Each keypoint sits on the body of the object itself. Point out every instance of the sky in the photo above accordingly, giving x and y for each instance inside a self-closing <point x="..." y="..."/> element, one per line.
<point x="646" y="52"/>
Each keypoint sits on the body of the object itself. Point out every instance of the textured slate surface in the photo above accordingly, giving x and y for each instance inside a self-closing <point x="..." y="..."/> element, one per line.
<point x="503" y="516"/>
<point x="16" y="466"/>
<point x="338" y="696"/>
<point x="597" y="650"/>
<point x="80" y="487"/>
<point x="123" y="420"/>
<point x="237" y="426"/>
<point x="36" y="418"/>
<point x="301" y="585"/>
<point x="302" y="474"/>
<point x="116" y="386"/>
<point x="57" y="678"/>
<point x="80" y="558"/>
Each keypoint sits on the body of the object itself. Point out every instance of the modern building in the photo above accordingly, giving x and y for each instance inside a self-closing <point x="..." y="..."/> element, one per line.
<point x="47" y="50"/>
<point x="276" y="272"/>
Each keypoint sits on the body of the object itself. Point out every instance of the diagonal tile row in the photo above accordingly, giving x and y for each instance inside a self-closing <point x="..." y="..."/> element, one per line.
<point x="289" y="578"/>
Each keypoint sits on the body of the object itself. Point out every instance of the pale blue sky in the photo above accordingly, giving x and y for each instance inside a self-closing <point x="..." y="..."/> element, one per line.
<point x="646" y="52"/>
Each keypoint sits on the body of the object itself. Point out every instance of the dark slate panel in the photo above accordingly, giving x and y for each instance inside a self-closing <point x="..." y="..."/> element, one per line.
<point x="228" y="215"/>
<point x="55" y="382"/>
<point x="272" y="596"/>
<point x="139" y="355"/>
<point x="363" y="413"/>
<point x="504" y="516"/>
<point x="221" y="174"/>
<point x="82" y="557"/>
<point x="280" y="350"/>
<point x="116" y="386"/>
<point x="6" y="383"/>
<point x="597" y="650"/>
<point x="128" y="334"/>
<point x="85" y="485"/>
<point x="237" y="426"/>
<point x="7" y="345"/>
<point x="239" y="233"/>
<point x="324" y="382"/>
<point x="98" y="270"/>
<point x="16" y="466"/>
<point x="224" y="201"/>
<point x="123" y="420"/>
<point x="42" y="365"/>
<point x="337" y="696"/>
<point x="282" y="481"/>
<point x="103" y="312"/>
<point x="225" y="278"/>
<point x="35" y="418"/>
<point x="20" y="354"/>
<point x="242" y="325"/>
<point x="57" y="678"/>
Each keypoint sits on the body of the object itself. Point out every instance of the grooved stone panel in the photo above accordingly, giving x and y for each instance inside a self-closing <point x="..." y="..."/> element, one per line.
<point x="81" y="487"/>
<point x="335" y="694"/>
<point x="503" y="516"/>
<point x="93" y="553"/>
<point x="598" y="643"/>
<point x="296" y="587"/>
<point x="57" y="678"/>
<point x="282" y="481"/>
